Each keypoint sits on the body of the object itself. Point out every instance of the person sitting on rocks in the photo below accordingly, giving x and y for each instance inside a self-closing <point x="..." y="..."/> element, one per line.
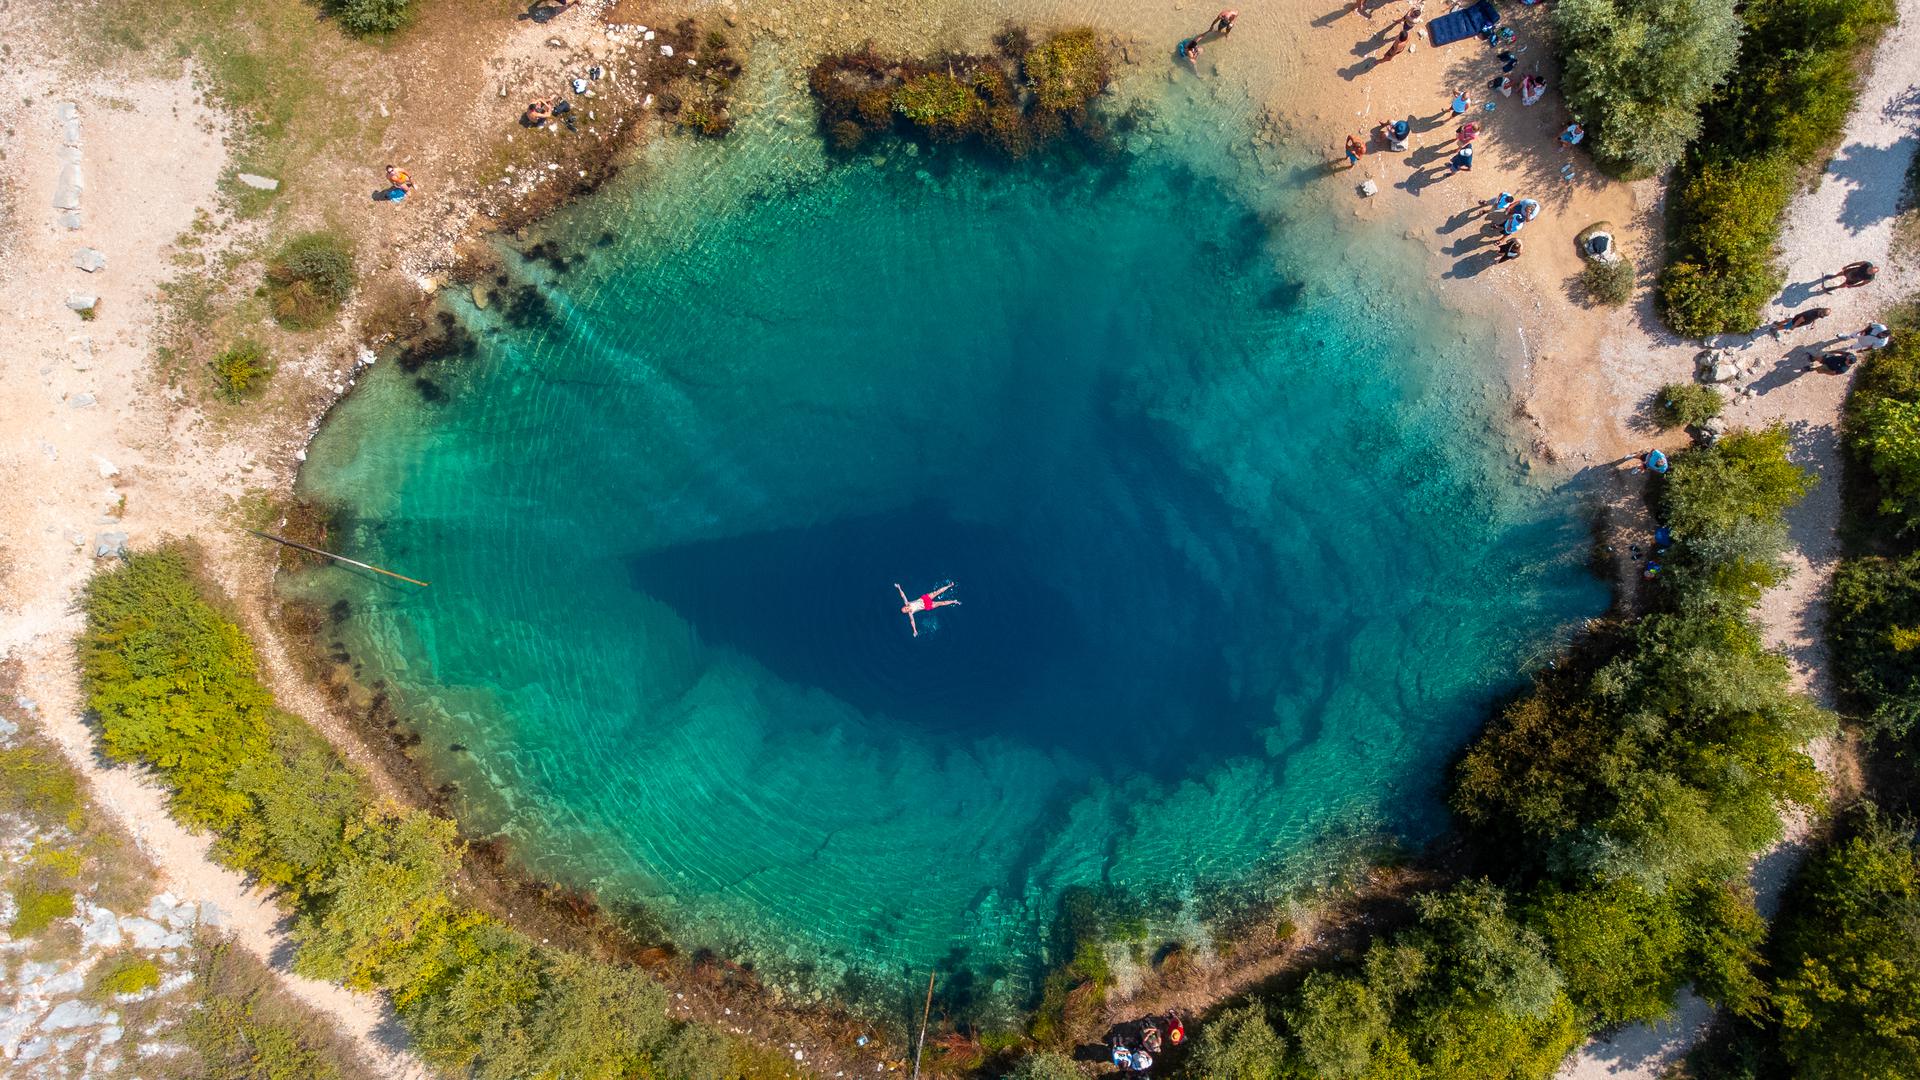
<point x="539" y="112"/>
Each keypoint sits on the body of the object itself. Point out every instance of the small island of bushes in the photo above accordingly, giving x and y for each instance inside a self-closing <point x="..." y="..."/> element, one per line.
<point x="1014" y="100"/>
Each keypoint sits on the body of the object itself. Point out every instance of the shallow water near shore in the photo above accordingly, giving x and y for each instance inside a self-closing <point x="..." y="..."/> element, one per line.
<point x="1242" y="548"/>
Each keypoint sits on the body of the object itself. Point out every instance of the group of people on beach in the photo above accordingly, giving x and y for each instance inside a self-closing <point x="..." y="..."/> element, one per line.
<point x="1134" y="1053"/>
<point x="1222" y="25"/>
<point x="1507" y="216"/>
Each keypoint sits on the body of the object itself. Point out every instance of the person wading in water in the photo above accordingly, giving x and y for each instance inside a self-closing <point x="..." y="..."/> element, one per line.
<point x="926" y="602"/>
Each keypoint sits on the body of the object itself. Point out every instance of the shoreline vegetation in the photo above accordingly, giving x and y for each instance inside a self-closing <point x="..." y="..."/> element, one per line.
<point x="1606" y="815"/>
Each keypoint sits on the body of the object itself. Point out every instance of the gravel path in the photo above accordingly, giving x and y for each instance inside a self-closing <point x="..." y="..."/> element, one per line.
<point x="1848" y="217"/>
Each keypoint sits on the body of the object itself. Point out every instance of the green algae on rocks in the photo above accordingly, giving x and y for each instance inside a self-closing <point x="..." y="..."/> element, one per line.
<point x="1014" y="100"/>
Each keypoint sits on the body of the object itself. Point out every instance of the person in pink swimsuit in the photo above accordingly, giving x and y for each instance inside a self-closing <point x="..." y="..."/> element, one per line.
<point x="926" y="602"/>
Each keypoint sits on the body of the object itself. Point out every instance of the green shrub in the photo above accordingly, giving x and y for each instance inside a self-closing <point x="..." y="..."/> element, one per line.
<point x="372" y="16"/>
<point x="1726" y="222"/>
<point x="1637" y="72"/>
<point x="174" y="684"/>
<point x="1874" y="630"/>
<point x="1622" y="949"/>
<point x="1848" y="993"/>
<point x="1886" y="434"/>
<point x="1608" y="282"/>
<point x="1067" y="70"/>
<point x="386" y="890"/>
<point x="34" y="779"/>
<point x="37" y="907"/>
<point x="127" y="973"/>
<point x="241" y="369"/>
<point x="1687" y="404"/>
<point x="309" y="278"/>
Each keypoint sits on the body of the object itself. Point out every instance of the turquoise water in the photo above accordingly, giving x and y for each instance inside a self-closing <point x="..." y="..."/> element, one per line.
<point x="1241" y="548"/>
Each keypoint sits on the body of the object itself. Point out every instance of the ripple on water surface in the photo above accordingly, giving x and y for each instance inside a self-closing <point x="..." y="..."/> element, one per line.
<point x="1240" y="556"/>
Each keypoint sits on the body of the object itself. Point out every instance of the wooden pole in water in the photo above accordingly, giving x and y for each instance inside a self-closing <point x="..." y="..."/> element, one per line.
<point x="925" y="1011"/>
<point x="337" y="558"/>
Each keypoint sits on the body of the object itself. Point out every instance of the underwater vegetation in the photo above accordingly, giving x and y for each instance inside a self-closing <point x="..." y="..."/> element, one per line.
<point x="1014" y="100"/>
<point x="703" y="107"/>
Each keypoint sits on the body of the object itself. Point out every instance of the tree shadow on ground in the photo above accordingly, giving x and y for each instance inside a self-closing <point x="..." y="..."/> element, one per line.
<point x="1876" y="179"/>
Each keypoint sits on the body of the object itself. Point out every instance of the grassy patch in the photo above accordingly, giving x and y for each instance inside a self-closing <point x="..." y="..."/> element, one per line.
<point x="124" y="973"/>
<point x="37" y="908"/>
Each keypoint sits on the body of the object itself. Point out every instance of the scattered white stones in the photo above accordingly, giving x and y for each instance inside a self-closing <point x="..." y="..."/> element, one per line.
<point x="1368" y="189"/>
<point x="67" y="187"/>
<point x="82" y="301"/>
<point x="82" y="401"/>
<point x="666" y="50"/>
<point x="108" y="470"/>
<point x="255" y="180"/>
<point x="90" y="259"/>
<point x="109" y="545"/>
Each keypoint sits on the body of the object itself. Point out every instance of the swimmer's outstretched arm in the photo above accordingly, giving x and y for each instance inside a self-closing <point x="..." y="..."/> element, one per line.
<point x="901" y="591"/>
<point x="913" y="623"/>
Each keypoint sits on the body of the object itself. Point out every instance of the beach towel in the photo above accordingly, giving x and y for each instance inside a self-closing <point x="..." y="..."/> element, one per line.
<point x="1448" y="29"/>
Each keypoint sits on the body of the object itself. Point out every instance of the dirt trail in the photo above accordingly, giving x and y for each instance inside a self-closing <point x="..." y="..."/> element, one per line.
<point x="1849" y="216"/>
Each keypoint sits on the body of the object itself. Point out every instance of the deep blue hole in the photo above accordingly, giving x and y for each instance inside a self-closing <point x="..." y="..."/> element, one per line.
<point x="1021" y="656"/>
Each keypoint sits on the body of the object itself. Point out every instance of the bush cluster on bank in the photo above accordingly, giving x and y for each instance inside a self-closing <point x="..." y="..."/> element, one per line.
<point x="1611" y="811"/>
<point x="1874" y="607"/>
<point x="1774" y="119"/>
<point x="174" y="683"/>
<point x="309" y="278"/>
<point x="1015" y="100"/>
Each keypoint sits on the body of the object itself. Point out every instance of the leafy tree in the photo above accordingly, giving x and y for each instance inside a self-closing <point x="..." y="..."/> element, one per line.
<point x="478" y="1012"/>
<point x="1638" y="72"/>
<point x="1849" y="991"/>
<point x="1239" y="1044"/>
<point x="386" y="896"/>
<point x="1337" y="1024"/>
<point x="1623" y="949"/>
<point x="1725" y="936"/>
<point x="1886" y="433"/>
<point x="1874" y="630"/>
<point x="1747" y="474"/>
<point x="304" y="798"/>
<point x="592" y="1021"/>
<point x="1475" y="947"/>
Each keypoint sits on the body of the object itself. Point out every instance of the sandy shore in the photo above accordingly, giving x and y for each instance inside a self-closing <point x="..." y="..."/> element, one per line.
<point x="90" y="420"/>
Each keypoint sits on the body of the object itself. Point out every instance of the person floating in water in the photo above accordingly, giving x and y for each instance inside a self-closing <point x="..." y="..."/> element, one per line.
<point x="927" y="602"/>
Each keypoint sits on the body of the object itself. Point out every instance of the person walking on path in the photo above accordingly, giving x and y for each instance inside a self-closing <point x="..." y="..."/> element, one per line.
<point x="1798" y="319"/>
<point x="1509" y="250"/>
<point x="1852" y="276"/>
<point x="1400" y="45"/>
<point x="1875" y="336"/>
<point x="1355" y="151"/>
<point x="1462" y="101"/>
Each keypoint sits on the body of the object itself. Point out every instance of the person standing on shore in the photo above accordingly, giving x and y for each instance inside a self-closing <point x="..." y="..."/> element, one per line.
<point x="1355" y="151"/>
<point x="1509" y="250"/>
<point x="1364" y="7"/>
<point x="399" y="184"/>
<point x="1223" y="23"/>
